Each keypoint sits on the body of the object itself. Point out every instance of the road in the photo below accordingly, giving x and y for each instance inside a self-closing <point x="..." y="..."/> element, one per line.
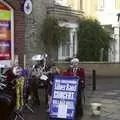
<point x="107" y="93"/>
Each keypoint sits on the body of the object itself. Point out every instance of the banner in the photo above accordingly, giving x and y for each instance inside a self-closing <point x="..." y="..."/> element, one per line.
<point x="64" y="97"/>
<point x="5" y="33"/>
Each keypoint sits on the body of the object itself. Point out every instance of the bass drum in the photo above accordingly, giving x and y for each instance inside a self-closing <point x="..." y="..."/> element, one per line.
<point x="6" y="106"/>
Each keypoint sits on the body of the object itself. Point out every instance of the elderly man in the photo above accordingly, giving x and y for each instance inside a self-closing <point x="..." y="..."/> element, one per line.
<point x="75" y="70"/>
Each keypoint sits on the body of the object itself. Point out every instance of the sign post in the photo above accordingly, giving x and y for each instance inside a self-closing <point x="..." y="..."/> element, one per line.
<point x="64" y="97"/>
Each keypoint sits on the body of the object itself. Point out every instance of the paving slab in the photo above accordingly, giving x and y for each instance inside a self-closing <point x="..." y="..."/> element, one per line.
<point x="110" y="105"/>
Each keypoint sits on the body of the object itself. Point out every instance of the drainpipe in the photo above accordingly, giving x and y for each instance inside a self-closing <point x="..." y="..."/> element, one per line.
<point x="119" y="33"/>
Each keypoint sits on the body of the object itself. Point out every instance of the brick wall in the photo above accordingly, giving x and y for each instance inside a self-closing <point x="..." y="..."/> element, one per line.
<point x="18" y="28"/>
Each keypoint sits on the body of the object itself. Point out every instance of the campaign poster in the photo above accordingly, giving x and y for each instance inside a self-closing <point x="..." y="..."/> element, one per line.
<point x="5" y="32"/>
<point x="64" y="97"/>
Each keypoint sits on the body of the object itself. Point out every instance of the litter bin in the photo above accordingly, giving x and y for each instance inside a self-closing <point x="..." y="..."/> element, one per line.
<point x="96" y="108"/>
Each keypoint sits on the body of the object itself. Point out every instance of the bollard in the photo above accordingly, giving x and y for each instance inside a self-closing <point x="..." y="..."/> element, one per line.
<point x="94" y="81"/>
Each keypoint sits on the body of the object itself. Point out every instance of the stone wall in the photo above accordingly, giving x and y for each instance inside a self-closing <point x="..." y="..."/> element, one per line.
<point x="33" y="26"/>
<point x="102" y="69"/>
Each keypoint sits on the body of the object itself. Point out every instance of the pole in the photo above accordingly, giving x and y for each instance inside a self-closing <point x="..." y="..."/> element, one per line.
<point x="101" y="54"/>
<point x="94" y="80"/>
<point x="24" y="61"/>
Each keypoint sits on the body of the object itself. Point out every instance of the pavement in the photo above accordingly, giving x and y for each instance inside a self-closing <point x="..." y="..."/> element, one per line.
<point x="110" y="109"/>
<point x="107" y="93"/>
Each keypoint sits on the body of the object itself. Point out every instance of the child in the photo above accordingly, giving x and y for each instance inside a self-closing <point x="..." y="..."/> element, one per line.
<point x="55" y="71"/>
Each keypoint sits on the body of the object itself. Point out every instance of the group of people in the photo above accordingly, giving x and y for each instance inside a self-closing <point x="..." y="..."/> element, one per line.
<point x="73" y="70"/>
<point x="41" y="77"/>
<point x="12" y="96"/>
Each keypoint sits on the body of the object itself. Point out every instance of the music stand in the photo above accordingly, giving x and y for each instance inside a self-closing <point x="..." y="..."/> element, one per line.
<point x="28" y="107"/>
<point x="18" y="115"/>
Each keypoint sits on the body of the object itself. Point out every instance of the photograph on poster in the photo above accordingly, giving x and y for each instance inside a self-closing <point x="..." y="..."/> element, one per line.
<point x="5" y="33"/>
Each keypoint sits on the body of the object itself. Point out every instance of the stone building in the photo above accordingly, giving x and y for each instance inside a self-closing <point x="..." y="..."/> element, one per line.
<point x="33" y="26"/>
<point x="67" y="13"/>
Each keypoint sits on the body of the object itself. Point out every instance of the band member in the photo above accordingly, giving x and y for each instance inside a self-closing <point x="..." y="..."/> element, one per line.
<point x="75" y="70"/>
<point x="35" y="82"/>
<point x="39" y="77"/>
<point x="17" y="70"/>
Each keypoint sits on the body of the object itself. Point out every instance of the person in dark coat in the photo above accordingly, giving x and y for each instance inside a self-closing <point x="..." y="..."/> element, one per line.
<point x="75" y="70"/>
<point x="39" y="78"/>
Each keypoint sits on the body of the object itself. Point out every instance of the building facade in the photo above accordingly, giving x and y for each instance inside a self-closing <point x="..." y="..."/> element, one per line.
<point x="105" y="11"/>
<point x="67" y="12"/>
<point x="33" y="27"/>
